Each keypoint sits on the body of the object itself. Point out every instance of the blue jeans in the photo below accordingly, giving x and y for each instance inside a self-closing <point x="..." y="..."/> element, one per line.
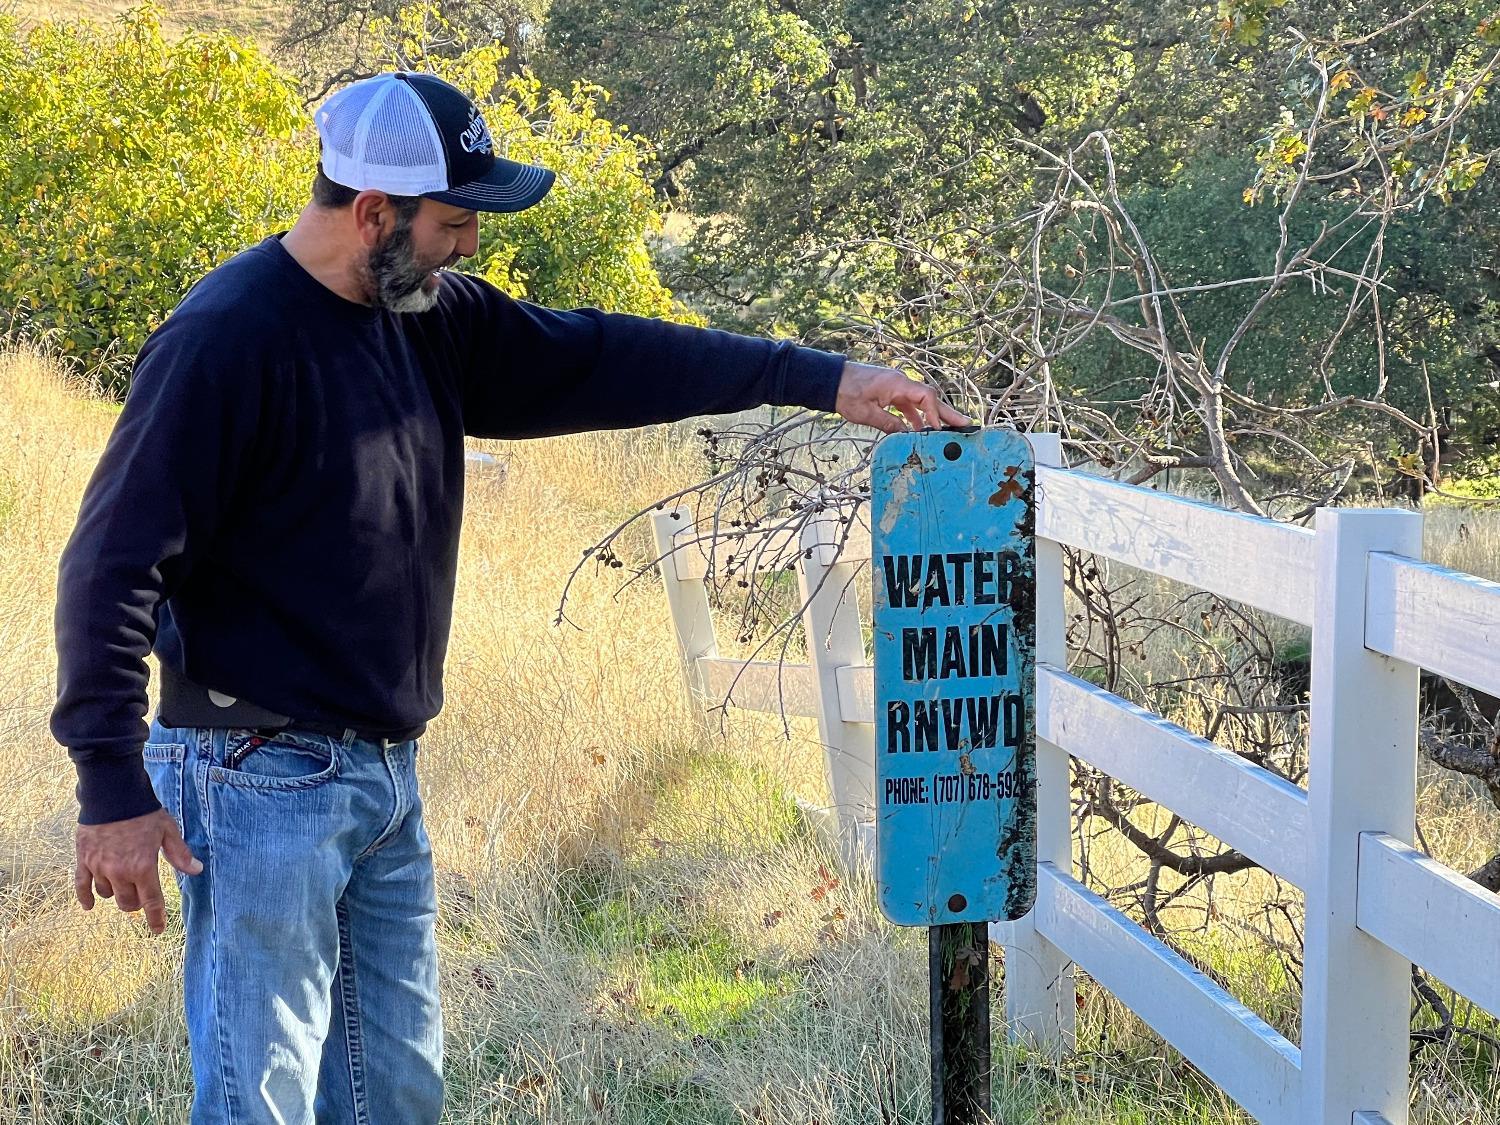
<point x="310" y="978"/>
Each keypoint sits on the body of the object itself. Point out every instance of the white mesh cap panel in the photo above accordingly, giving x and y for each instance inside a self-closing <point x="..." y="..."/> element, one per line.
<point x="338" y="118"/>
<point x="401" y="133"/>
<point x="381" y="136"/>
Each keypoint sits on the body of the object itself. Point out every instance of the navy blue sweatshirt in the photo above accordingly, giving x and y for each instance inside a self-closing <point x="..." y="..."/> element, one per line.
<point x="277" y="510"/>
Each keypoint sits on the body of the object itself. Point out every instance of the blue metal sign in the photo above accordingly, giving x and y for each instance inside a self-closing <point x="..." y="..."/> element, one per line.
<point x="954" y="565"/>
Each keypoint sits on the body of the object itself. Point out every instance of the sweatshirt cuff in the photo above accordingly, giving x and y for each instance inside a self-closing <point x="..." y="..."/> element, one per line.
<point x="112" y="789"/>
<point x="811" y="379"/>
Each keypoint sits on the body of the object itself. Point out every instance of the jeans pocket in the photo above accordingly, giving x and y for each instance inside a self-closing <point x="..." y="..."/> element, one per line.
<point x="164" y="767"/>
<point x="276" y="760"/>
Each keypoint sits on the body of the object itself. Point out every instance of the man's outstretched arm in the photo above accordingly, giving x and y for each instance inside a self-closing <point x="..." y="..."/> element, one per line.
<point x="533" y="372"/>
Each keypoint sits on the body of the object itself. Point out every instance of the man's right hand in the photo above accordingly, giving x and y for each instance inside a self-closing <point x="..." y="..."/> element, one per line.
<point x="119" y="861"/>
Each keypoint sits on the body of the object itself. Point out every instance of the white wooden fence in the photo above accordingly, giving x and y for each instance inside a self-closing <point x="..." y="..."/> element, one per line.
<point x="1373" y="904"/>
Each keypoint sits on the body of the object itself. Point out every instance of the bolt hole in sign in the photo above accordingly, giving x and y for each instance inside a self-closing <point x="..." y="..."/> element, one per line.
<point x="954" y="567"/>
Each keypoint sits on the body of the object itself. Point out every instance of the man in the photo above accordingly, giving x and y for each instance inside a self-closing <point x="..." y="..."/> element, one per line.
<point x="277" y="514"/>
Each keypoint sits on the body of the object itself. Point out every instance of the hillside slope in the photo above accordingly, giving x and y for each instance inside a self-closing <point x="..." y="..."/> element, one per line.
<point x="261" y="20"/>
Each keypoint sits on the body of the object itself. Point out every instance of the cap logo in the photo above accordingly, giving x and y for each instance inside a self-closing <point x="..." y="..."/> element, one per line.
<point x="476" y="136"/>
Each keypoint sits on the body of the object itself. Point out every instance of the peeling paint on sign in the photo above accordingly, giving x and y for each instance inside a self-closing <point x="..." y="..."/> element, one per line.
<point x="954" y="634"/>
<point x="900" y="489"/>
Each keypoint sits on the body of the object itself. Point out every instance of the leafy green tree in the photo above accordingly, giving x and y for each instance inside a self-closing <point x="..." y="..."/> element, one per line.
<point x="130" y="165"/>
<point x="787" y="128"/>
<point x="803" y="136"/>
<point x="587" y="242"/>
<point x="812" y="143"/>
<point x="327" y="43"/>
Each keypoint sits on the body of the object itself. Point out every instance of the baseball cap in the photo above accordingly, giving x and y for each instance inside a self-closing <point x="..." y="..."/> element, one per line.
<point x="414" y="134"/>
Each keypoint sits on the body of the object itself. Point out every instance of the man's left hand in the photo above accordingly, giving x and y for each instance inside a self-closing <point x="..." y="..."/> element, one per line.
<point x="868" y="394"/>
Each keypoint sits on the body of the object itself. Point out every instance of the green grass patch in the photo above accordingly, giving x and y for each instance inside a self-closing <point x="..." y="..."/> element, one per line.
<point x="10" y="494"/>
<point x="671" y="968"/>
<point x="717" y="802"/>
<point x="1479" y="482"/>
<point x="707" y="990"/>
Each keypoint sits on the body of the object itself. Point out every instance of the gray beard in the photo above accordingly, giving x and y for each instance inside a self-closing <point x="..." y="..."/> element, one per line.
<point x="416" y="301"/>
<point x="396" y="277"/>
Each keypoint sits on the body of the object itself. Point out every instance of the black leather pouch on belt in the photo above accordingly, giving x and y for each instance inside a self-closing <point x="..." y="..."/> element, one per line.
<point x="186" y="704"/>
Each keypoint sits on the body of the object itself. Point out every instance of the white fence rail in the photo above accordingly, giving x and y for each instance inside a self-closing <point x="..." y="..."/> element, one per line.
<point x="1374" y="905"/>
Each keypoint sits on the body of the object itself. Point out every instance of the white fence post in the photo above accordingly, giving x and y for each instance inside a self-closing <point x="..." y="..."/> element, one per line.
<point x="1361" y="778"/>
<point x="692" y="623"/>
<point x="834" y="641"/>
<point x="1040" y="995"/>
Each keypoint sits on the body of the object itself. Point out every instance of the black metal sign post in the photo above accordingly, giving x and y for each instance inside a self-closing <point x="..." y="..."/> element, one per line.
<point x="953" y="556"/>
<point x="959" y="971"/>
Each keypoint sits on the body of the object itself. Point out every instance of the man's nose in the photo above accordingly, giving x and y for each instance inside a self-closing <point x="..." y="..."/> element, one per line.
<point x="468" y="241"/>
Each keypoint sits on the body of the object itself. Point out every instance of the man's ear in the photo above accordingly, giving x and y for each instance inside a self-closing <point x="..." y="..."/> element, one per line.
<point x="374" y="216"/>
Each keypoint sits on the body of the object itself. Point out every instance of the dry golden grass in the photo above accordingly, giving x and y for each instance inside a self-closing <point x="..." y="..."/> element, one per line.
<point x="261" y="20"/>
<point x="607" y="876"/>
<point x="637" y="924"/>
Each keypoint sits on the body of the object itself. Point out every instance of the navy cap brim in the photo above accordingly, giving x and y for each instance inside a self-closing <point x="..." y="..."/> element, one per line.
<point x="508" y="186"/>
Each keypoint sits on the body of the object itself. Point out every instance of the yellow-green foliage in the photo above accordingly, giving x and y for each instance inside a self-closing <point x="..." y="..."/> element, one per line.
<point x="1480" y="482"/>
<point x="586" y="243"/>
<point x="130" y="165"/>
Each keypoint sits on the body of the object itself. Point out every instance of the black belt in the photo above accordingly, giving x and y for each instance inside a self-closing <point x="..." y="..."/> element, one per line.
<point x="187" y="704"/>
<point x="335" y="730"/>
